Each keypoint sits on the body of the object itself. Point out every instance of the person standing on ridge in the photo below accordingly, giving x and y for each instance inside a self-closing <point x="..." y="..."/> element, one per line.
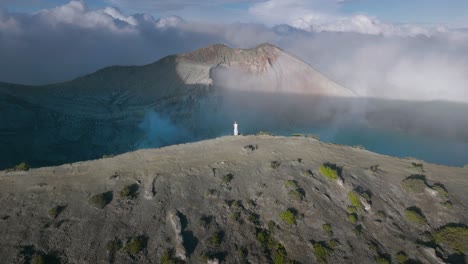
<point x="236" y="132"/>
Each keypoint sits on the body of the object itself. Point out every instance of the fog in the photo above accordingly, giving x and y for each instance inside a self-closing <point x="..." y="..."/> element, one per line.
<point x="395" y="62"/>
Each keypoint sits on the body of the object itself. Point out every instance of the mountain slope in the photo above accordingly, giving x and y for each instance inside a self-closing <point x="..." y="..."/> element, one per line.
<point x="225" y="198"/>
<point x="104" y="112"/>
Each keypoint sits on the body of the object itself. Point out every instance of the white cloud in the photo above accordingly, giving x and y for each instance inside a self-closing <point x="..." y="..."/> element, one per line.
<point x="324" y="16"/>
<point x="359" y="52"/>
<point x="76" y="13"/>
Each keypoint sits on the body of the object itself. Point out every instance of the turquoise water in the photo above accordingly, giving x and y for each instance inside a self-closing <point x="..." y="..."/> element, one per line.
<point x="440" y="151"/>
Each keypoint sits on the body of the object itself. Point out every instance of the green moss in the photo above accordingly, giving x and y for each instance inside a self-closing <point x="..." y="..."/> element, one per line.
<point x="440" y="188"/>
<point x="327" y="227"/>
<point x="272" y="246"/>
<point x="414" y="215"/>
<point x="381" y="214"/>
<point x="308" y="173"/>
<point x="333" y="243"/>
<point x="254" y="218"/>
<point x="243" y="252"/>
<point x="54" y="211"/>
<point x="418" y="166"/>
<point x="216" y="239"/>
<point x="354" y="200"/>
<point x="135" y="245"/>
<point x="228" y="178"/>
<point x="291" y="184"/>
<point x="289" y="217"/>
<point x="297" y="135"/>
<point x="352" y="218"/>
<point x="321" y="252"/>
<point x="235" y="216"/>
<point x="382" y="260"/>
<point x="453" y="236"/>
<point x="447" y="204"/>
<point x="100" y="200"/>
<point x="351" y="209"/>
<point x="297" y="194"/>
<point x="129" y="191"/>
<point x="23" y="166"/>
<point x="401" y="257"/>
<point x="414" y="183"/>
<point x="328" y="172"/>
<point x="169" y="258"/>
<point x="237" y="204"/>
<point x="38" y="259"/>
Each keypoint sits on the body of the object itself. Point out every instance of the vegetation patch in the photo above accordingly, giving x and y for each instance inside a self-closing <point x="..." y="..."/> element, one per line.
<point x="100" y="200"/>
<point x="135" y="245"/>
<point x="55" y="211"/>
<point x="291" y="184"/>
<point x="23" y="166"/>
<point x="308" y="173"/>
<point x="414" y="183"/>
<point x="297" y="135"/>
<point x="447" y="204"/>
<point x="243" y="252"/>
<point x="212" y="193"/>
<point x="375" y="168"/>
<point x="351" y="209"/>
<point x="169" y="258"/>
<point x="314" y="136"/>
<point x="297" y="194"/>
<point x="38" y="259"/>
<point x="382" y="259"/>
<point x="275" y="164"/>
<point x="205" y="221"/>
<point x="228" y="178"/>
<point x="455" y="236"/>
<point x="216" y="239"/>
<point x="289" y="216"/>
<point x="330" y="171"/>
<point x="129" y="191"/>
<point x="254" y="218"/>
<point x="381" y="214"/>
<point x="440" y="188"/>
<point x="264" y="133"/>
<point x="321" y="252"/>
<point x="327" y="227"/>
<point x="401" y="257"/>
<point x="353" y="198"/>
<point x="235" y="216"/>
<point x="415" y="215"/>
<point x="352" y="218"/>
<point x="418" y="166"/>
<point x="273" y="247"/>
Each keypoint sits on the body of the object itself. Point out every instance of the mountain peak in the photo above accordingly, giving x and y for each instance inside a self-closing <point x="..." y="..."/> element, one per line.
<point x="221" y="54"/>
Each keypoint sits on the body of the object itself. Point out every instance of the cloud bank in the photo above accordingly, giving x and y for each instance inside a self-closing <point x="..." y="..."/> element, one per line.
<point x="360" y="52"/>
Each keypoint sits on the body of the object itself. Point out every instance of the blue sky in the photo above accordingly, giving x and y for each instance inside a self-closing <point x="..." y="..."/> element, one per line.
<point x="450" y="12"/>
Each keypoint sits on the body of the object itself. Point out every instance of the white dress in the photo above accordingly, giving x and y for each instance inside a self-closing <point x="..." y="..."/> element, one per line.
<point x="236" y="132"/>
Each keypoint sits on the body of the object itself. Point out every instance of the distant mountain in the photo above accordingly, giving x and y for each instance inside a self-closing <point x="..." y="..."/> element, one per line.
<point x="198" y="95"/>
<point x="102" y="113"/>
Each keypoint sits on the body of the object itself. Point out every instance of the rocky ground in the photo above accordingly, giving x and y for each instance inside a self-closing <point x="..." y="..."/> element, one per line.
<point x="245" y="199"/>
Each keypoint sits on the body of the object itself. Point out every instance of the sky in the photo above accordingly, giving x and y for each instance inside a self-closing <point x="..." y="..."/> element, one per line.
<point x="399" y="49"/>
